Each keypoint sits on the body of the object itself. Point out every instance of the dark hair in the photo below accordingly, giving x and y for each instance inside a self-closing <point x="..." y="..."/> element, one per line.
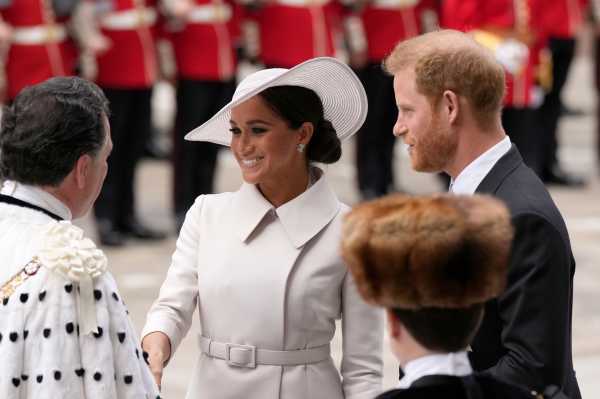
<point x="48" y="127"/>
<point x="442" y="329"/>
<point x="297" y="104"/>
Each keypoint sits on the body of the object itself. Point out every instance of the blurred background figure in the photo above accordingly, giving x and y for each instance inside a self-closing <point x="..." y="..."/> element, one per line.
<point x="372" y="31"/>
<point x="126" y="71"/>
<point x="203" y="34"/>
<point x="34" y="42"/>
<point x="512" y="29"/>
<point x="564" y="21"/>
<point x="292" y="31"/>
<point x="595" y="10"/>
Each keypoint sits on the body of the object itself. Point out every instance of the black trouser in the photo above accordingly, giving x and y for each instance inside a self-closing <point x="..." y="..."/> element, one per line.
<point x="563" y="51"/>
<point x="195" y="161"/>
<point x="519" y="124"/>
<point x="130" y="126"/>
<point x="375" y="140"/>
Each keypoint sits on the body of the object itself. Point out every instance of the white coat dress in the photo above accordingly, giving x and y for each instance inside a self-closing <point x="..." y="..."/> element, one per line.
<point x="272" y="278"/>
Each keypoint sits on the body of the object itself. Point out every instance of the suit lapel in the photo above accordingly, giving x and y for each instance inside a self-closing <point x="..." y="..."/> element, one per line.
<point x="504" y="167"/>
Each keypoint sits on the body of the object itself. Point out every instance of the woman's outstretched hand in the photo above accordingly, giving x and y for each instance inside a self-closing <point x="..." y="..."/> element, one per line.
<point x="157" y="346"/>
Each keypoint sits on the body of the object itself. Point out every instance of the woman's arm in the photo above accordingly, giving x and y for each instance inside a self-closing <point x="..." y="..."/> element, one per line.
<point x="362" y="330"/>
<point x="170" y="316"/>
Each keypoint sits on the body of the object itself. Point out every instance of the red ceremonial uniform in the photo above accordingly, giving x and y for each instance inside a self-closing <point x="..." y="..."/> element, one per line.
<point x="40" y="48"/>
<point x="466" y="15"/>
<point x="130" y="61"/>
<point x="292" y="31"/>
<point x="386" y="22"/>
<point x="382" y="24"/>
<point x="204" y="45"/>
<point x="565" y="17"/>
<point x="507" y="15"/>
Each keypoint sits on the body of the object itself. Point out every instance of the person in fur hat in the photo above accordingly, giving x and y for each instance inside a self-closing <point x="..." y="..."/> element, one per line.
<point x="432" y="262"/>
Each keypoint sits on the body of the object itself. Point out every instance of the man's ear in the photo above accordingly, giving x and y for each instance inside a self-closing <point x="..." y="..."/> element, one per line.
<point x="451" y="106"/>
<point x="82" y="170"/>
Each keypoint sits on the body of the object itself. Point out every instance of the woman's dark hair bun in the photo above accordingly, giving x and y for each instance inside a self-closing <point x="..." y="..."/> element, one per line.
<point x="297" y="104"/>
<point x="324" y="146"/>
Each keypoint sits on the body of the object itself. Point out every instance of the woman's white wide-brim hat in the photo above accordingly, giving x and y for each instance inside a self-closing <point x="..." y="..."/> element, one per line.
<point x="343" y="97"/>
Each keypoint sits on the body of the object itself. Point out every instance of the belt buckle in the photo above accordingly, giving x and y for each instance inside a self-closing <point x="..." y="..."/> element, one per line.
<point x="250" y="364"/>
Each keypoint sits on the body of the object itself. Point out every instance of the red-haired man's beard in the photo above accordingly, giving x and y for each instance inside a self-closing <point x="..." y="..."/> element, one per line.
<point x="434" y="148"/>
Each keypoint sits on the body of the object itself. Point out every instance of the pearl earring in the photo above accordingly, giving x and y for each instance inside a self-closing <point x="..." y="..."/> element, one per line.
<point x="301" y="147"/>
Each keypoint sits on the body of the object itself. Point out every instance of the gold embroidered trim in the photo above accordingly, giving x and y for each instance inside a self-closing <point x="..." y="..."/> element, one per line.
<point x="15" y="281"/>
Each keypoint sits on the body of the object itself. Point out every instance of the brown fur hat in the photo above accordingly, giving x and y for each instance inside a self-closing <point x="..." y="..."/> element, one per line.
<point x="441" y="251"/>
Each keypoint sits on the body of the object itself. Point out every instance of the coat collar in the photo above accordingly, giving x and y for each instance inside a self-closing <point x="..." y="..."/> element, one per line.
<point x="36" y="196"/>
<point x="454" y="363"/>
<point x="505" y="166"/>
<point x="473" y="174"/>
<point x="302" y="218"/>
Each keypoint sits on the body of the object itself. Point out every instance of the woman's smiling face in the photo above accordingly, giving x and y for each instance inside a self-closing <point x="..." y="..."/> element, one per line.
<point x="263" y="144"/>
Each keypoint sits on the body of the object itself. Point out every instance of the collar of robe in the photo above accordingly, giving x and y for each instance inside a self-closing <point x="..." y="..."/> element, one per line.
<point x="7" y="199"/>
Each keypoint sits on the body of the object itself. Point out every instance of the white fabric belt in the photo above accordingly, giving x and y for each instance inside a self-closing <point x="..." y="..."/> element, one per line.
<point x="210" y="13"/>
<point x="129" y="19"/>
<point x="393" y="4"/>
<point x="39" y="34"/>
<point x="302" y="3"/>
<point x="249" y="356"/>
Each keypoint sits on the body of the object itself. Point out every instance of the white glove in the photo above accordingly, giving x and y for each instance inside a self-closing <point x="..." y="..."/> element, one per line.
<point x="512" y="54"/>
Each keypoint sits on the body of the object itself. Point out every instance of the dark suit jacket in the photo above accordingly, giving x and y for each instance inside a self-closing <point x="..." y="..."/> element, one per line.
<point x="452" y="387"/>
<point x="525" y="336"/>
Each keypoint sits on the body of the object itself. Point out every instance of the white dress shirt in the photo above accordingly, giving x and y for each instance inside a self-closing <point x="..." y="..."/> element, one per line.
<point x="471" y="177"/>
<point x="455" y="363"/>
<point x="36" y="196"/>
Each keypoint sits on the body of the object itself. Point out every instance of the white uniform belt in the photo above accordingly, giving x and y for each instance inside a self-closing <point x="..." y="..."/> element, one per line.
<point x="249" y="356"/>
<point x="129" y="19"/>
<point x="39" y="34"/>
<point x="302" y="3"/>
<point x="393" y="4"/>
<point x="210" y="13"/>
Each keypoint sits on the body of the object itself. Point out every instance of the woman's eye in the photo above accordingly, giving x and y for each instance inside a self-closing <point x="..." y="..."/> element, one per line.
<point x="258" y="130"/>
<point x="235" y="130"/>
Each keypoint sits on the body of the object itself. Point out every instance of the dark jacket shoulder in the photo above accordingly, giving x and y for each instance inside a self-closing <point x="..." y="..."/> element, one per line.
<point x="452" y="387"/>
<point x="522" y="191"/>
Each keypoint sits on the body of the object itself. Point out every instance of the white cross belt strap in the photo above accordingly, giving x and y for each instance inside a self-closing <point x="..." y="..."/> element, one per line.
<point x="208" y="13"/>
<point x="393" y="4"/>
<point x="249" y="356"/>
<point x="301" y="3"/>
<point x="39" y="34"/>
<point x="129" y="19"/>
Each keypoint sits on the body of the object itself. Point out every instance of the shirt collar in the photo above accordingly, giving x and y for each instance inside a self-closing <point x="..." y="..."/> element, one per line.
<point x="469" y="179"/>
<point x="36" y="196"/>
<point x="302" y="217"/>
<point x="455" y="363"/>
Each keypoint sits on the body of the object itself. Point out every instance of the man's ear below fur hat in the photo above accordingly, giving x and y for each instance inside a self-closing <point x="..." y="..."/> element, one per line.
<point x="443" y="251"/>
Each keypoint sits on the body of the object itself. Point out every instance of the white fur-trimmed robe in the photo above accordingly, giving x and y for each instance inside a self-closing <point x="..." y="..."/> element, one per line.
<point x="42" y="355"/>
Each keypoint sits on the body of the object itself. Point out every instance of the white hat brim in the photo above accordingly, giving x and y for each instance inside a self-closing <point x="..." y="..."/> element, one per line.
<point x="341" y="92"/>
